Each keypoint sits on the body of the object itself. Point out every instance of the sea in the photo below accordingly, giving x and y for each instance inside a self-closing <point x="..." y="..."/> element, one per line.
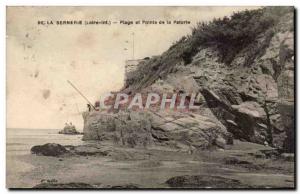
<point x="18" y="145"/>
<point x="20" y="141"/>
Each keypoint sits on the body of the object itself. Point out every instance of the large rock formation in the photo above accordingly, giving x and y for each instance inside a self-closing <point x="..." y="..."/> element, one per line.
<point x="245" y="75"/>
<point x="147" y="129"/>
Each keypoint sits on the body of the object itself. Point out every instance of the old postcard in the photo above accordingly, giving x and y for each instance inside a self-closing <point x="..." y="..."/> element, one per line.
<point x="150" y="97"/>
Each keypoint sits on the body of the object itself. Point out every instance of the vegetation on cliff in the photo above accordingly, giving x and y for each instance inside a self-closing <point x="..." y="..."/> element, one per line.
<point x="230" y="36"/>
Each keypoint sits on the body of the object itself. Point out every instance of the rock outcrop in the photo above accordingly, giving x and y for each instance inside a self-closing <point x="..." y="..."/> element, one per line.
<point x="63" y="186"/>
<point x="81" y="185"/>
<point x="204" y="181"/>
<point x="69" y="130"/>
<point x="286" y="90"/>
<point x="147" y="129"/>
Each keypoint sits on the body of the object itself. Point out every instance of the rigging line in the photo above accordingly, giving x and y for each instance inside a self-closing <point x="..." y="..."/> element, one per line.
<point x="81" y="94"/>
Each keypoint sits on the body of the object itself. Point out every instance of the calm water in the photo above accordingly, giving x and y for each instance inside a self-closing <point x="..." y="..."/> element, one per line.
<point x="18" y="145"/>
<point x="19" y="141"/>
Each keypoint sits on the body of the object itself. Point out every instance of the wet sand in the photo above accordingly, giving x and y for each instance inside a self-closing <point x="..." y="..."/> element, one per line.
<point x="152" y="168"/>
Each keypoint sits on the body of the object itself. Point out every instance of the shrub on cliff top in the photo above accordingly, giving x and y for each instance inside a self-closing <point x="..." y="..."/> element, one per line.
<point x="230" y="35"/>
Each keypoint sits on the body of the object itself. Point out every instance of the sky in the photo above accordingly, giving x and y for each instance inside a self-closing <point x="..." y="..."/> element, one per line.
<point x="41" y="58"/>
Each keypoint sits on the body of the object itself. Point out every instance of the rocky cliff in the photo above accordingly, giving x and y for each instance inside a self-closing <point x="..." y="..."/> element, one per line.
<point x="243" y="67"/>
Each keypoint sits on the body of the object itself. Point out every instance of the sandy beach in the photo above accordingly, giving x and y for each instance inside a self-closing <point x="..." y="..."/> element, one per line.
<point x="150" y="168"/>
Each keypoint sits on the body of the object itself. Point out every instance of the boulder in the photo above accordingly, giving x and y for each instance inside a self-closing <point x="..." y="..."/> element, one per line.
<point x="49" y="149"/>
<point x="288" y="157"/>
<point x="251" y="119"/>
<point x="244" y="120"/>
<point x="220" y="142"/>
<point x="251" y="109"/>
